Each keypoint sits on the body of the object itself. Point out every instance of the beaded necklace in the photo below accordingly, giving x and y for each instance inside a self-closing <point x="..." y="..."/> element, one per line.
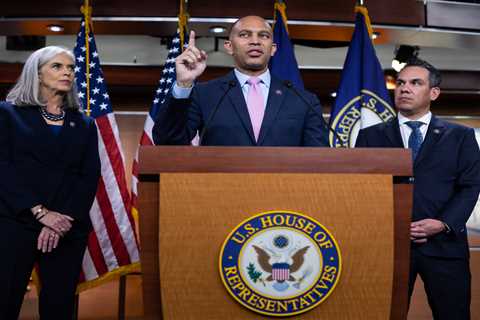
<point x="52" y="116"/>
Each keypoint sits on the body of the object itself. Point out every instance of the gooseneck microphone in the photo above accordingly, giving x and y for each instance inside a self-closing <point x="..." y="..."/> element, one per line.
<point x="231" y="84"/>
<point x="290" y="86"/>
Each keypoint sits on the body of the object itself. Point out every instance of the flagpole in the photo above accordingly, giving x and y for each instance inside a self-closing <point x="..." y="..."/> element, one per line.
<point x="87" y="13"/>
<point x="182" y="21"/>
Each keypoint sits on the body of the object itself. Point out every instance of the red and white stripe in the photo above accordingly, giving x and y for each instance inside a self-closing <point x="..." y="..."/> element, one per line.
<point x="113" y="243"/>
<point x="145" y="140"/>
<point x="280" y="274"/>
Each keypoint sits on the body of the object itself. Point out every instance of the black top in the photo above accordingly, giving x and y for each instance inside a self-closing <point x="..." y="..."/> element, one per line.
<point x="38" y="166"/>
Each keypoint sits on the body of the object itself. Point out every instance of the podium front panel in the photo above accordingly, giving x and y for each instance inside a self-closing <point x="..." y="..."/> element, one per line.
<point x="198" y="210"/>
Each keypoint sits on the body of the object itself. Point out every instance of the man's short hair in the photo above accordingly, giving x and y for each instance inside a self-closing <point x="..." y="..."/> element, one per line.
<point x="237" y="21"/>
<point x="434" y="76"/>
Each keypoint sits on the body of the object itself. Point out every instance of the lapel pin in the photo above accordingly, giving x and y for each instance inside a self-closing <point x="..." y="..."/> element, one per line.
<point x="436" y="131"/>
<point x="72" y="124"/>
<point x="278" y="92"/>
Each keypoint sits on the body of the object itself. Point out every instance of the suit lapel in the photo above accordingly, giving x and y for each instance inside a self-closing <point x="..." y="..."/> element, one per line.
<point x="40" y="124"/>
<point x="238" y="100"/>
<point x="392" y="131"/>
<point x="49" y="146"/>
<point x="276" y="95"/>
<point x="67" y="134"/>
<point x="434" y="132"/>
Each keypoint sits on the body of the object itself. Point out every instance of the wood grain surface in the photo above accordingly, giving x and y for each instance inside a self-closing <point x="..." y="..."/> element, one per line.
<point x="199" y="210"/>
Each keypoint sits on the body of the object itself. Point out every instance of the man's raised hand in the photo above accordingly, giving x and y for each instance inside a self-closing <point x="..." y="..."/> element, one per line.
<point x="190" y="64"/>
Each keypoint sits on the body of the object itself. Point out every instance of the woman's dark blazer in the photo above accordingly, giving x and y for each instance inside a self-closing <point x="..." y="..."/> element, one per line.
<point x="39" y="167"/>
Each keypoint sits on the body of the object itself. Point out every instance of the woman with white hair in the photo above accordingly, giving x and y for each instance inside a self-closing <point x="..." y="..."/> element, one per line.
<point x="49" y="171"/>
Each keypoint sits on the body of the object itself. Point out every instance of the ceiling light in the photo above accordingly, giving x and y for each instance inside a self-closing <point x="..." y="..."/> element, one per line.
<point x="217" y="29"/>
<point x="55" y="28"/>
<point x="397" y="65"/>
<point x="403" y="53"/>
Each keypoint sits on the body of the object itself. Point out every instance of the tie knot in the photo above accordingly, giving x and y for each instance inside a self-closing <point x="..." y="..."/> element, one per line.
<point x="253" y="81"/>
<point x="414" y="124"/>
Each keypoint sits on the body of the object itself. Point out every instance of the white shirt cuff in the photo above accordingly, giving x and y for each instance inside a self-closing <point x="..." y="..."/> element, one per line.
<point x="181" y="93"/>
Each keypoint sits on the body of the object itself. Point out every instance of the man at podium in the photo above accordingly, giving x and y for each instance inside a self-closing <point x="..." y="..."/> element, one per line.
<point x="446" y="166"/>
<point x="246" y="107"/>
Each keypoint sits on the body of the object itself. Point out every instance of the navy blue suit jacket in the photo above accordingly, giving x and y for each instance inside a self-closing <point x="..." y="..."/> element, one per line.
<point x="287" y="121"/>
<point x="38" y="167"/>
<point x="447" y="179"/>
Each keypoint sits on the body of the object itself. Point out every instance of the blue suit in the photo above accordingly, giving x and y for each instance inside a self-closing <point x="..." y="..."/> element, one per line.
<point x="287" y="121"/>
<point x="60" y="172"/>
<point x="446" y="188"/>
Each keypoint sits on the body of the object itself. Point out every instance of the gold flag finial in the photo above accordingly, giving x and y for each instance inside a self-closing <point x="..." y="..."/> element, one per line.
<point x="282" y="8"/>
<point x="363" y="10"/>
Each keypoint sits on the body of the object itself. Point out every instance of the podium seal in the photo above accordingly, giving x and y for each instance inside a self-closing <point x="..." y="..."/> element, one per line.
<point x="280" y="263"/>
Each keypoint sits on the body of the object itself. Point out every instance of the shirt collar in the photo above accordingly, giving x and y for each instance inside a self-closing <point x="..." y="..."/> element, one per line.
<point x="242" y="77"/>
<point x="425" y="119"/>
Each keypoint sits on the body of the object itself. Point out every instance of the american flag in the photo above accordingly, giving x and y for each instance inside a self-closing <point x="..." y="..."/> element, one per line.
<point x="165" y="84"/>
<point x="112" y="245"/>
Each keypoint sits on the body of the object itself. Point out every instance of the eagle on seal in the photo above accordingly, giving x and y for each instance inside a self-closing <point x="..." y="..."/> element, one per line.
<point x="297" y="261"/>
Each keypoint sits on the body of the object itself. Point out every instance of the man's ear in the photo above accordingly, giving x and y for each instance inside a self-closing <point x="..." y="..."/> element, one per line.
<point x="434" y="93"/>
<point x="274" y="49"/>
<point x="228" y="47"/>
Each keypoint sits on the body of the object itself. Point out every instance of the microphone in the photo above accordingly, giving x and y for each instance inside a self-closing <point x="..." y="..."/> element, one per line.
<point x="290" y="86"/>
<point x="231" y="84"/>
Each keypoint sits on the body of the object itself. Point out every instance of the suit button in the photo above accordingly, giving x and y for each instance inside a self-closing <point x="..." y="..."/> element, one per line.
<point x="411" y="179"/>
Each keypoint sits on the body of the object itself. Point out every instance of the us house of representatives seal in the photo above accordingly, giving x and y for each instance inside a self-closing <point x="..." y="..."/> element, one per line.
<point x="280" y="263"/>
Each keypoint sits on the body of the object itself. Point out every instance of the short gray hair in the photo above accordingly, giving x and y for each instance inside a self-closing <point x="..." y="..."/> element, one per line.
<point x="26" y="91"/>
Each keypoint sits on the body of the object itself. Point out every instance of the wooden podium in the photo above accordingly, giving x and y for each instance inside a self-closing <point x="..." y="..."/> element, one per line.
<point x="190" y="198"/>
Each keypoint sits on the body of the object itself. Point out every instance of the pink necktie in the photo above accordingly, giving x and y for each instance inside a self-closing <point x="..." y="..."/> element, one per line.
<point x="256" y="107"/>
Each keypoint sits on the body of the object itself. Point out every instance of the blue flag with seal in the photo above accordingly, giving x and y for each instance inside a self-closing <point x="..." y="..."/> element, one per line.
<point x="283" y="64"/>
<point x="362" y="97"/>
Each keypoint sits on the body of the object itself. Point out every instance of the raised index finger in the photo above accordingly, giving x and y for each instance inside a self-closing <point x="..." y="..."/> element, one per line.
<point x="191" y="39"/>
